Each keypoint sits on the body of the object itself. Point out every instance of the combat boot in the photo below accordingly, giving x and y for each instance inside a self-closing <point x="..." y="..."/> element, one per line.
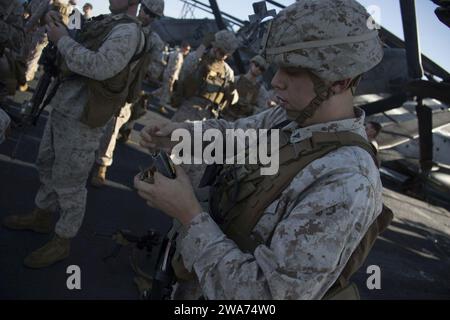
<point x="98" y="180"/>
<point x="39" y="220"/>
<point x="53" y="251"/>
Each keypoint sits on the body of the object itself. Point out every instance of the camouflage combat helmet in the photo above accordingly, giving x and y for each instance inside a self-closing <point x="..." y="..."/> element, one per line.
<point x="226" y="40"/>
<point x="260" y="61"/>
<point x="330" y="38"/>
<point x="155" y="6"/>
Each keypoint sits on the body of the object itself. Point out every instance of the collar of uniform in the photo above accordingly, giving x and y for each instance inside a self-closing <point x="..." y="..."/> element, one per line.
<point x="354" y="124"/>
<point x="147" y="29"/>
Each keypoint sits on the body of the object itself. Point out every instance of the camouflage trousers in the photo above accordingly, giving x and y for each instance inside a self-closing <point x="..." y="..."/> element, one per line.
<point x="193" y="109"/>
<point x="108" y="141"/>
<point x="38" y="43"/>
<point x="66" y="155"/>
<point x="166" y="93"/>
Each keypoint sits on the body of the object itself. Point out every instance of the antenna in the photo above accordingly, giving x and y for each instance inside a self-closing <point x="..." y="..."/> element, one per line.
<point x="187" y="12"/>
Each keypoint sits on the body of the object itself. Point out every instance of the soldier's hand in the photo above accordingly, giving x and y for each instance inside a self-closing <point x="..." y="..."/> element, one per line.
<point x="175" y="197"/>
<point x="56" y="31"/>
<point x="158" y="137"/>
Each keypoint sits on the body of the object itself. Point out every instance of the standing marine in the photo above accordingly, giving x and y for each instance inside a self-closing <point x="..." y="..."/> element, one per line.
<point x="35" y="30"/>
<point x="206" y="84"/>
<point x="172" y="71"/>
<point x="253" y="96"/>
<point x="301" y="233"/>
<point x="97" y="79"/>
<point x="149" y="12"/>
<point x="12" y="41"/>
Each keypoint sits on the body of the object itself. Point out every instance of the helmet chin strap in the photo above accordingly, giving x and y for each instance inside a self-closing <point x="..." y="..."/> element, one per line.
<point x="323" y="93"/>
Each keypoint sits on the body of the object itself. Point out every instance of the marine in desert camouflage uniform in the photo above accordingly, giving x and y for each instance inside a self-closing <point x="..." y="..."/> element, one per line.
<point x="36" y="33"/>
<point x="37" y="41"/>
<point x="159" y="62"/>
<point x="205" y="87"/>
<point x="253" y="96"/>
<point x="308" y="234"/>
<point x="172" y="72"/>
<point x="12" y="41"/>
<point x="72" y="132"/>
<point x="206" y="83"/>
<point x="150" y="10"/>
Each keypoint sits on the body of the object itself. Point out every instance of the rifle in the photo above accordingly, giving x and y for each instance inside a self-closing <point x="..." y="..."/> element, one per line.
<point x="42" y="96"/>
<point x="148" y="242"/>
<point x="163" y="276"/>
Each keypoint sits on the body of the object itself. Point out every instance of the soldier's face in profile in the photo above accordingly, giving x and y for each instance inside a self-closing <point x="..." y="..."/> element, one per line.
<point x="186" y="50"/>
<point x="220" y="54"/>
<point x="143" y="17"/>
<point x="294" y="88"/>
<point x="87" y="11"/>
<point x="256" y="70"/>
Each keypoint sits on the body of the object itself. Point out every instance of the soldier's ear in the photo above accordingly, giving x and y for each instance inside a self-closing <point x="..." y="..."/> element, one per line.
<point x="341" y="86"/>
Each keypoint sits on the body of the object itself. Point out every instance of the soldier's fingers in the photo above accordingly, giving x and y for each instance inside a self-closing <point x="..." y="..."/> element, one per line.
<point x="145" y="196"/>
<point x="182" y="175"/>
<point x="151" y="129"/>
<point x="146" y="135"/>
<point x="159" y="178"/>
<point x="166" y="130"/>
<point x="147" y="145"/>
<point x="167" y="150"/>
<point x="142" y="186"/>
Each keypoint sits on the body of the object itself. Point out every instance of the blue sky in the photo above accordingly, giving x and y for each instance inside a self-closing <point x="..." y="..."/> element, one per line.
<point x="434" y="36"/>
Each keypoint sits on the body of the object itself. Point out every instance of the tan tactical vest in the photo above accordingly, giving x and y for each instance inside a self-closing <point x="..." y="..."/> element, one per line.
<point x="105" y="98"/>
<point x="240" y="195"/>
<point x="209" y="81"/>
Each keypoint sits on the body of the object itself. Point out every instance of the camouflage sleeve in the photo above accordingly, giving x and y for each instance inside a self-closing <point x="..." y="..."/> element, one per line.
<point x="310" y="245"/>
<point x="263" y="120"/>
<point x="190" y="64"/>
<point x="12" y="34"/>
<point x="157" y="46"/>
<point x="112" y="57"/>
